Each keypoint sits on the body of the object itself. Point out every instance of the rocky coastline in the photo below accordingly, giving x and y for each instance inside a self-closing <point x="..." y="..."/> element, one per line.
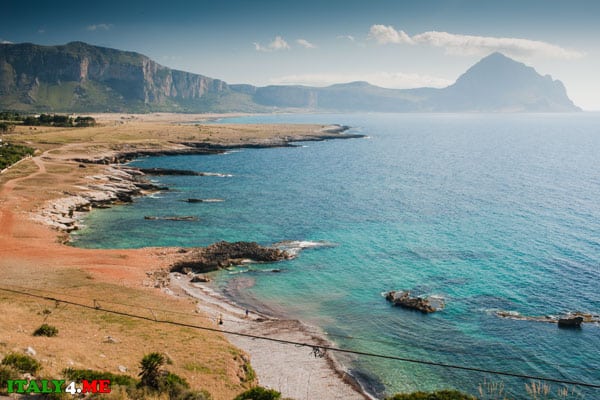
<point x="120" y="184"/>
<point x="117" y="185"/>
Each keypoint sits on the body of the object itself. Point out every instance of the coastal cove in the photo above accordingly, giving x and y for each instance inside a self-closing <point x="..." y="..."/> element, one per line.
<point x="475" y="209"/>
<point x="46" y="196"/>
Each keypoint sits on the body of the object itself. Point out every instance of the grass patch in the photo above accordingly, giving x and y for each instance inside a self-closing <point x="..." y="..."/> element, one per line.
<point x="196" y="367"/>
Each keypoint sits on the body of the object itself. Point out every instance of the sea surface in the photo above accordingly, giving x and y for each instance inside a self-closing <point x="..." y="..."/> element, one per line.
<point x="490" y="212"/>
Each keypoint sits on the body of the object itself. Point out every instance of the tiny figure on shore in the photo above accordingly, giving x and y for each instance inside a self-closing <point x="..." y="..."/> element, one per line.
<point x="220" y="319"/>
<point x="247" y="313"/>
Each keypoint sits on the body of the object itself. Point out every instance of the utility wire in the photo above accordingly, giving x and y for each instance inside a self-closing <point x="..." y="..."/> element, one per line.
<point x="333" y="335"/>
<point x="313" y="346"/>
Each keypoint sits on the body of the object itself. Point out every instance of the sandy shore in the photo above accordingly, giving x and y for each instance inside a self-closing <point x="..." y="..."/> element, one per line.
<point x="294" y="371"/>
<point x="37" y="209"/>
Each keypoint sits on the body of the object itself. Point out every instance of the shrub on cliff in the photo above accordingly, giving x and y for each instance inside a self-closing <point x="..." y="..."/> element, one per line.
<point x="259" y="393"/>
<point x="439" y="395"/>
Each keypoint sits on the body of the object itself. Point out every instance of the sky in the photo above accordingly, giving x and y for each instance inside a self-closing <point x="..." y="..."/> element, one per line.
<point x="389" y="43"/>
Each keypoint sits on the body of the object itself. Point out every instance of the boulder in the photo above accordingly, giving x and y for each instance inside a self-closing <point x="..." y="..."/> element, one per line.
<point x="570" y="322"/>
<point x="199" y="279"/>
<point x="405" y="300"/>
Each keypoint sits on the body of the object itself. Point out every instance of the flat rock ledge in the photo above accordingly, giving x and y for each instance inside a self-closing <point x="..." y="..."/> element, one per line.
<point x="115" y="186"/>
<point x="402" y="298"/>
<point x="572" y="319"/>
<point x="226" y="254"/>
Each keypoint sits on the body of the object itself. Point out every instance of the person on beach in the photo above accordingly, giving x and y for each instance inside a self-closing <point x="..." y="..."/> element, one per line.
<point x="220" y="319"/>
<point x="247" y="312"/>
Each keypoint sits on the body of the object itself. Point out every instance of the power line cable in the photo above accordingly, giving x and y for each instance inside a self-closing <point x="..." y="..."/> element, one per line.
<point x="333" y="335"/>
<point x="314" y="346"/>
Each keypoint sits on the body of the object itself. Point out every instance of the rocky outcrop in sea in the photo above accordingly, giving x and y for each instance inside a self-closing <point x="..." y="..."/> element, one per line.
<point x="225" y="254"/>
<point x="405" y="300"/>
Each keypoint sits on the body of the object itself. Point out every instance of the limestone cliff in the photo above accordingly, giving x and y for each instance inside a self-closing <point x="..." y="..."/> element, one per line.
<point x="81" y="76"/>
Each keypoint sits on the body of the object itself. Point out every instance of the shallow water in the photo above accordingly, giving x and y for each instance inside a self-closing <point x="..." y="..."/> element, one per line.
<point x="491" y="212"/>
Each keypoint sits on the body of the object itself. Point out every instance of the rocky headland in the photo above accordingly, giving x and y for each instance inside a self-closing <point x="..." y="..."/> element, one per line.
<point x="225" y="254"/>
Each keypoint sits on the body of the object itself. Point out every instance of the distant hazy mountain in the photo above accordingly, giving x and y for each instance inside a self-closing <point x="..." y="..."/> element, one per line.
<point x="82" y="77"/>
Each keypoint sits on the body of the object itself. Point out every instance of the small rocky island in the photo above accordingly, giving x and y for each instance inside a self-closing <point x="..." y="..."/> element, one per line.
<point x="402" y="298"/>
<point x="226" y="254"/>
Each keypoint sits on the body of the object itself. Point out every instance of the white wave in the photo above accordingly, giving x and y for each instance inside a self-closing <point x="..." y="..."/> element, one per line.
<point x="218" y="174"/>
<point x="229" y="152"/>
<point x="293" y="247"/>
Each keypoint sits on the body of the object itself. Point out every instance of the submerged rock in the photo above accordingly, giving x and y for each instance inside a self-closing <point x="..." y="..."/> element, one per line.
<point x="203" y="200"/>
<point x="225" y="254"/>
<point x="404" y="299"/>
<point x="175" y="218"/>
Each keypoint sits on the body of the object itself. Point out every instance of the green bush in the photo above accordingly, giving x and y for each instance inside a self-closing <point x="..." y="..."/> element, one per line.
<point x="46" y="330"/>
<point x="259" y="393"/>
<point x="79" y="375"/>
<point x="172" y="384"/>
<point x="7" y="373"/>
<point x="22" y="363"/>
<point x="439" y="395"/>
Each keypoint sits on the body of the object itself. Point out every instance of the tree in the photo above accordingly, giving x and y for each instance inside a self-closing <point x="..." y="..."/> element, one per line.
<point x="6" y="127"/>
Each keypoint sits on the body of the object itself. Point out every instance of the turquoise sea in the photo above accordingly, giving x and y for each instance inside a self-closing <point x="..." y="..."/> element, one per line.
<point x="490" y="212"/>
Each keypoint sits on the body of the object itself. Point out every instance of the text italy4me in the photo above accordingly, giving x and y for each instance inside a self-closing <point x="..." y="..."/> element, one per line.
<point x="57" y="386"/>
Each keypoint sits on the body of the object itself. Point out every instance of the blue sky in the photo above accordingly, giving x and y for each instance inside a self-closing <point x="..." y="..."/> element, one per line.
<point x="388" y="43"/>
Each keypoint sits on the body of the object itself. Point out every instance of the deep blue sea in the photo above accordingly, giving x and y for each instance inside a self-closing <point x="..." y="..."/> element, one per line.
<point x="490" y="212"/>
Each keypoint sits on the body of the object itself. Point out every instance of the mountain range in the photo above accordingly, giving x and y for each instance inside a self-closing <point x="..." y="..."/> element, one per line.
<point x="79" y="77"/>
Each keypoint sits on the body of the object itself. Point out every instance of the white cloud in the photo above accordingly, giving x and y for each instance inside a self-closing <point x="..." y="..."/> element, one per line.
<point x="99" y="27"/>
<point x="480" y="45"/>
<point x="277" y="44"/>
<point x="396" y="80"/>
<point x="2" y="41"/>
<point x="387" y="34"/>
<point x="473" y="45"/>
<point x="347" y="37"/>
<point x="306" y="44"/>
